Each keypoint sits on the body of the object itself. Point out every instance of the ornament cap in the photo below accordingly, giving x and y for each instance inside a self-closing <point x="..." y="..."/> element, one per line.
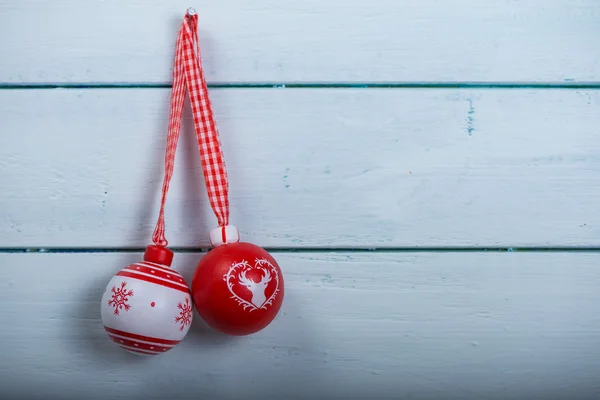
<point x="159" y="255"/>
<point x="224" y="235"/>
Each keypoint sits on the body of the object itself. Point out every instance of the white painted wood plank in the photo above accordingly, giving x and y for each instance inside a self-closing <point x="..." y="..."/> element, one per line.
<point x="310" y="40"/>
<point x="317" y="168"/>
<point x="353" y="326"/>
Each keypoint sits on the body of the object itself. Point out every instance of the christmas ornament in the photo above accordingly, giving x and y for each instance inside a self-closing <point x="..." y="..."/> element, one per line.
<point x="237" y="287"/>
<point x="147" y="307"/>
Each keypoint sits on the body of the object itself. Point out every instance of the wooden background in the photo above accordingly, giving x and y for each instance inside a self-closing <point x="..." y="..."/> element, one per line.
<point x="426" y="174"/>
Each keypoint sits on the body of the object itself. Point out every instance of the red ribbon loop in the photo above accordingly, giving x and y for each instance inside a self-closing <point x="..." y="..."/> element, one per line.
<point x="188" y="73"/>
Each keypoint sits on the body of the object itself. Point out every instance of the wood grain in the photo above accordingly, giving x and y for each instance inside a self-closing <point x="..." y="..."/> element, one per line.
<point x="300" y="41"/>
<point x="352" y="326"/>
<point x="316" y="168"/>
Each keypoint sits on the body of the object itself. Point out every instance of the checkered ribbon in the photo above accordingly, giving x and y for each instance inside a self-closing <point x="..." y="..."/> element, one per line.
<point x="187" y="72"/>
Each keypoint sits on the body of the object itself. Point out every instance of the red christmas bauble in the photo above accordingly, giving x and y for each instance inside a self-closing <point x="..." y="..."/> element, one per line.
<point x="238" y="288"/>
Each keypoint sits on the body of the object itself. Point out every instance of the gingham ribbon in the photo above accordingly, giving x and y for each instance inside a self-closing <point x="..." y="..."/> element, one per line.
<point x="187" y="72"/>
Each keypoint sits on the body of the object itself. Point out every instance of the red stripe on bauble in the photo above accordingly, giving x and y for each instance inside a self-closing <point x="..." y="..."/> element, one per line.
<point x="170" y="276"/>
<point x="161" y="267"/>
<point x="169" y="284"/>
<point x="141" y="337"/>
<point x="146" y="353"/>
<point x="139" y="345"/>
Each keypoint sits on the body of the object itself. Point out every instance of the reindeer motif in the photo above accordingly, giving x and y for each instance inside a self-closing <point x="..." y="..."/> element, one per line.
<point x="257" y="288"/>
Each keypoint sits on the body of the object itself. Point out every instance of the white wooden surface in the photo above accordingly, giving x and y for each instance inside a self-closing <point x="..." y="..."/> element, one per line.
<point x="308" y="40"/>
<point x="353" y="326"/>
<point x="308" y="168"/>
<point x="318" y="169"/>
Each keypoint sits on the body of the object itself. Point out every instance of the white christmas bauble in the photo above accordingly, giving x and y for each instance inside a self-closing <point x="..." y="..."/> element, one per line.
<point x="147" y="307"/>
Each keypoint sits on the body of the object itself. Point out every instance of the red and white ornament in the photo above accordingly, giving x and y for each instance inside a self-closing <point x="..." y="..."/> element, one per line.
<point x="237" y="287"/>
<point x="147" y="307"/>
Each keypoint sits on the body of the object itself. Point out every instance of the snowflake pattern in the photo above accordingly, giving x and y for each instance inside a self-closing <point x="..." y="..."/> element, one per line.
<point x="119" y="298"/>
<point x="185" y="314"/>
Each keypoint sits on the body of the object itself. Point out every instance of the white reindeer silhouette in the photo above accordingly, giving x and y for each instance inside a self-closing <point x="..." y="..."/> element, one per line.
<point x="257" y="288"/>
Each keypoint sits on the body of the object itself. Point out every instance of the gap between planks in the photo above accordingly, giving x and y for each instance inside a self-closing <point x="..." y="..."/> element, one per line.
<point x="316" y="85"/>
<point x="555" y="249"/>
